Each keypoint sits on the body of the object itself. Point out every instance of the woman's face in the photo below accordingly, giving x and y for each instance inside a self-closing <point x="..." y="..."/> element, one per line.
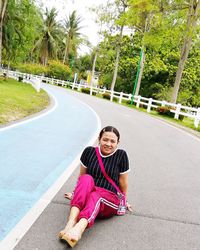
<point x="108" y="143"/>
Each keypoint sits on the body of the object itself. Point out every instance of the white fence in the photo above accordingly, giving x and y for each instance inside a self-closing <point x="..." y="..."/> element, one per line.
<point x="149" y="103"/>
<point x="35" y="81"/>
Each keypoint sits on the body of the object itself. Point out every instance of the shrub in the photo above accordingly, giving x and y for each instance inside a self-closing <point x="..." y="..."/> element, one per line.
<point x="106" y="96"/>
<point x="85" y="90"/>
<point x="31" y="68"/>
<point x="58" y="70"/>
<point x="165" y="110"/>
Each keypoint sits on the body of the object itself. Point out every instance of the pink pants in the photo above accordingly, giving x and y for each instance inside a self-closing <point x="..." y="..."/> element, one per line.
<point x="93" y="201"/>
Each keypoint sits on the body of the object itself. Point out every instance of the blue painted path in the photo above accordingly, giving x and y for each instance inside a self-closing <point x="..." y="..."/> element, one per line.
<point x="31" y="155"/>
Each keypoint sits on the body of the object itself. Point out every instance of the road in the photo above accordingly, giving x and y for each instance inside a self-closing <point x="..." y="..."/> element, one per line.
<point x="27" y="167"/>
<point x="163" y="188"/>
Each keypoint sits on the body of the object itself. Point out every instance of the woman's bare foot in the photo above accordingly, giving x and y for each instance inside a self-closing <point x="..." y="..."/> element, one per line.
<point x="74" y="234"/>
<point x="69" y="226"/>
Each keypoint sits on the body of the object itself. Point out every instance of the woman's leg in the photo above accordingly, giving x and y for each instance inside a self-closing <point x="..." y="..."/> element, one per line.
<point x="109" y="203"/>
<point x="101" y="203"/>
<point x="72" y="220"/>
<point x="85" y="185"/>
<point x="91" y="209"/>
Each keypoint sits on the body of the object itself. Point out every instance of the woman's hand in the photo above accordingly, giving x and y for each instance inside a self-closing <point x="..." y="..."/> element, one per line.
<point x="68" y="195"/>
<point x="129" y="207"/>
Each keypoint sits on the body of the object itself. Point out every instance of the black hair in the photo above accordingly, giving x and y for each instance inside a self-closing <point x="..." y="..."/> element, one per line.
<point x="109" y="129"/>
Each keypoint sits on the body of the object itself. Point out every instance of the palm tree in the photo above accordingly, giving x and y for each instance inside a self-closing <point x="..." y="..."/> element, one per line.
<point x="73" y="37"/>
<point x="46" y="44"/>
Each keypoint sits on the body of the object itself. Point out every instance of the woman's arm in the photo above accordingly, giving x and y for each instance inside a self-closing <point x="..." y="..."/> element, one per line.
<point x="123" y="185"/>
<point x="123" y="182"/>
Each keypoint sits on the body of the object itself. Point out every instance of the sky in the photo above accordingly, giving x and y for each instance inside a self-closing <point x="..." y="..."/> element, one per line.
<point x="64" y="7"/>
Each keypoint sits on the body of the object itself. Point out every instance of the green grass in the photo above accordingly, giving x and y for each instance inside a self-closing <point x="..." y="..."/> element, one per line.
<point x="187" y="121"/>
<point x="18" y="100"/>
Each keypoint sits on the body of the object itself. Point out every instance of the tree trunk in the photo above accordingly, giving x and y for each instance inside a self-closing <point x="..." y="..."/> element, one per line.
<point x="140" y="73"/>
<point x="190" y="26"/>
<point x="142" y="60"/>
<point x="3" y="5"/>
<point x="65" y="54"/>
<point x="117" y="60"/>
<point x="67" y="48"/>
<point x="93" y="66"/>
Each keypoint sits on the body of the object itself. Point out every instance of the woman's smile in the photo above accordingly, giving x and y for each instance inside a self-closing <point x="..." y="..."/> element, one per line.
<point x="108" y="143"/>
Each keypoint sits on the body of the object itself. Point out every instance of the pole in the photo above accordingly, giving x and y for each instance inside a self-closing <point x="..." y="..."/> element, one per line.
<point x="136" y="78"/>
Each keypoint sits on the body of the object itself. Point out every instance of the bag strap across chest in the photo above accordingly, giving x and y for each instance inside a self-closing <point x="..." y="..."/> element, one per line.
<point x="104" y="172"/>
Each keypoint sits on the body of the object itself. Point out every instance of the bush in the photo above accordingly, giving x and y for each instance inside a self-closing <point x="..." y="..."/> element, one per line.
<point x="165" y="110"/>
<point x="106" y="96"/>
<point x="85" y="90"/>
<point x="30" y="68"/>
<point x="58" y="70"/>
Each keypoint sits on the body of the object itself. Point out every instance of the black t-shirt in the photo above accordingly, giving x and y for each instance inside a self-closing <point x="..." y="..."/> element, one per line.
<point x="115" y="164"/>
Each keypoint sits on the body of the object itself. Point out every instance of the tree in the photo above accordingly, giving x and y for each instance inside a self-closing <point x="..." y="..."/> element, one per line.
<point x="108" y="16"/>
<point x="3" y="5"/>
<point x="192" y="18"/>
<point x="46" y="43"/>
<point x="142" y="16"/>
<point x="73" y="37"/>
<point x="18" y="37"/>
<point x="121" y="6"/>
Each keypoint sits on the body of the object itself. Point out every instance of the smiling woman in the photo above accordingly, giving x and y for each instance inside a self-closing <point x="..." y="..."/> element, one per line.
<point x="18" y="100"/>
<point x="102" y="182"/>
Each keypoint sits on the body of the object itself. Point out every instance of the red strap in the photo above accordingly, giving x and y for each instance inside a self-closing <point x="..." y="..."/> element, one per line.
<point x="104" y="172"/>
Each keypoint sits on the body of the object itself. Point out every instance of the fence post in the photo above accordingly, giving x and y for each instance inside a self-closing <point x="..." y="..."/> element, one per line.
<point x="51" y="80"/>
<point x="91" y="89"/>
<point x="149" y="105"/>
<point x="138" y="101"/>
<point x="38" y="84"/>
<point x="79" y="87"/>
<point x="178" y="108"/>
<point x="197" y="118"/>
<point x="74" y="82"/>
<point x="130" y="96"/>
<point x="163" y="104"/>
<point x="120" y="97"/>
<point x="111" y="95"/>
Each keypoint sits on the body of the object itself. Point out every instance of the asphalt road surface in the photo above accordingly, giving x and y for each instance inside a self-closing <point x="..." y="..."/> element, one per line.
<point x="164" y="189"/>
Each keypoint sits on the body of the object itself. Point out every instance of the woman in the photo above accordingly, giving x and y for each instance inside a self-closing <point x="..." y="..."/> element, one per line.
<point x="94" y="196"/>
